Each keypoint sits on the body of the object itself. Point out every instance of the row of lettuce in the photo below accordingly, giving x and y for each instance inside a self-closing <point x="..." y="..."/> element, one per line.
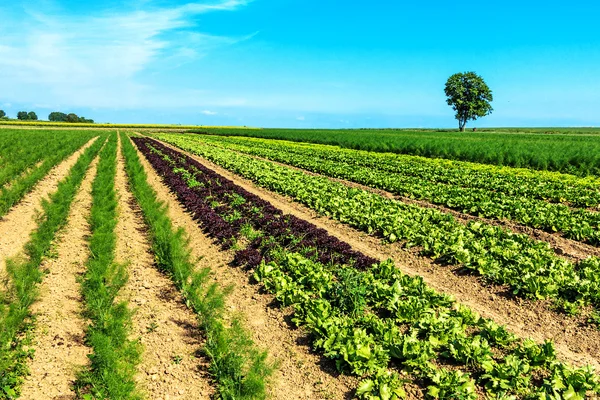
<point x="26" y="158"/>
<point x="550" y="201"/>
<point x="529" y="267"/>
<point x="365" y="315"/>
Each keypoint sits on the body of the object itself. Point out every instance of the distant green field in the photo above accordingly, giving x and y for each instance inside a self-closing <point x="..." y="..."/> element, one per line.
<point x="16" y="124"/>
<point x="570" y="150"/>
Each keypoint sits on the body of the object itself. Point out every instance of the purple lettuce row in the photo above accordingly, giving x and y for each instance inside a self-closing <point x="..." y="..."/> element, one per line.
<point x="212" y="223"/>
<point x="287" y="231"/>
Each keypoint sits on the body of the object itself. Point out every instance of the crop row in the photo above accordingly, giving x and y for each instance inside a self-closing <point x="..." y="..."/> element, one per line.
<point x="367" y="316"/>
<point x="570" y="153"/>
<point x="114" y="353"/>
<point x="528" y="266"/>
<point x="26" y="158"/>
<point x="19" y="150"/>
<point x="239" y="369"/>
<point x="25" y="275"/>
<point x="544" y="185"/>
<point x="460" y="186"/>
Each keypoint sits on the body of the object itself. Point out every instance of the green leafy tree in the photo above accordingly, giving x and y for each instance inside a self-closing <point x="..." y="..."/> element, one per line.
<point x="57" y="116"/>
<point x="72" y="118"/>
<point x="31" y="116"/>
<point x="2" y="114"/>
<point x="469" y="96"/>
<point x="23" y="115"/>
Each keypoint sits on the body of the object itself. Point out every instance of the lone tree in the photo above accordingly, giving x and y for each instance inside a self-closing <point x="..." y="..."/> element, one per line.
<point x="469" y="96"/>
<point x="2" y="114"/>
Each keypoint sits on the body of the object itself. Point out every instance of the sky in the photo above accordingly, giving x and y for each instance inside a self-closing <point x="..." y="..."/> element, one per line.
<point x="299" y="63"/>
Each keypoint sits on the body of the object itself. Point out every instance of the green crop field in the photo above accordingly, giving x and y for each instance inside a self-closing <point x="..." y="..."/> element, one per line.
<point x="570" y="150"/>
<point x="335" y="264"/>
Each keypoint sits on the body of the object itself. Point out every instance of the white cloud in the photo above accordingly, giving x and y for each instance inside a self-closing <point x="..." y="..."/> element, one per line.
<point x="93" y="61"/>
<point x="208" y="112"/>
<point x="301" y="118"/>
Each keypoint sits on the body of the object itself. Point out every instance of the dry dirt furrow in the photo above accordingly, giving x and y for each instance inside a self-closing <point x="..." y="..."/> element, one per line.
<point x="301" y="374"/>
<point x="167" y="329"/>
<point x="17" y="225"/>
<point x="60" y="350"/>
<point x="576" y="342"/>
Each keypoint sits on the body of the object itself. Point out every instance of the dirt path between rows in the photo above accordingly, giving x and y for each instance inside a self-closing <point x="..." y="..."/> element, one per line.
<point x="576" y="342"/>
<point x="60" y="329"/>
<point x="566" y="248"/>
<point x="301" y="374"/>
<point x="17" y="225"/>
<point x="167" y="329"/>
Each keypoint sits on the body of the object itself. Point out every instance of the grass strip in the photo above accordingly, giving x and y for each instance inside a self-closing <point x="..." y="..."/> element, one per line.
<point x="239" y="369"/>
<point x="24" y="275"/>
<point x="115" y="356"/>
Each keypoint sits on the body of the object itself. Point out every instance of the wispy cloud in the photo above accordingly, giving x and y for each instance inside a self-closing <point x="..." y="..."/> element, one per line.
<point x="93" y="61"/>
<point x="208" y="112"/>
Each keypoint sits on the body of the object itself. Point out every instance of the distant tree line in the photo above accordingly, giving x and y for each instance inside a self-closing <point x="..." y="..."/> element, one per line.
<point x="53" y="117"/>
<point x="57" y="116"/>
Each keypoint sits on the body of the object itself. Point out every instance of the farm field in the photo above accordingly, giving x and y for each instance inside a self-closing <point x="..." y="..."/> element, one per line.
<point x="191" y="266"/>
<point x="571" y="150"/>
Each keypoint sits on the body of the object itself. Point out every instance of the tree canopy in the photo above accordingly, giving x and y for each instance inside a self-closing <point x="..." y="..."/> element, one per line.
<point x="2" y="114"/>
<point x="58" y="116"/>
<point x="27" y="116"/>
<point x="469" y="96"/>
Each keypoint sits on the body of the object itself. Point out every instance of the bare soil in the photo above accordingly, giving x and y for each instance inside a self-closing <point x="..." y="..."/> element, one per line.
<point x="576" y="342"/>
<point x="301" y="374"/>
<point x="168" y="330"/>
<point x="17" y="225"/>
<point x="60" y="349"/>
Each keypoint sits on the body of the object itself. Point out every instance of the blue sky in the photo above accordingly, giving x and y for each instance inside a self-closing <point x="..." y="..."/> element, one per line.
<point x="293" y="63"/>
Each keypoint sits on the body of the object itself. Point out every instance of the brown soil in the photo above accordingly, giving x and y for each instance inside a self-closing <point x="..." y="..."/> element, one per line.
<point x="567" y="248"/>
<point x="17" y="225"/>
<point x="167" y="329"/>
<point x="60" y="350"/>
<point x="575" y="341"/>
<point x="301" y="374"/>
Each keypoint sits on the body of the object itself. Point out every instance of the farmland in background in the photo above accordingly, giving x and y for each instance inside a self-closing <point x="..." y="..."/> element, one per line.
<point x="571" y="150"/>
